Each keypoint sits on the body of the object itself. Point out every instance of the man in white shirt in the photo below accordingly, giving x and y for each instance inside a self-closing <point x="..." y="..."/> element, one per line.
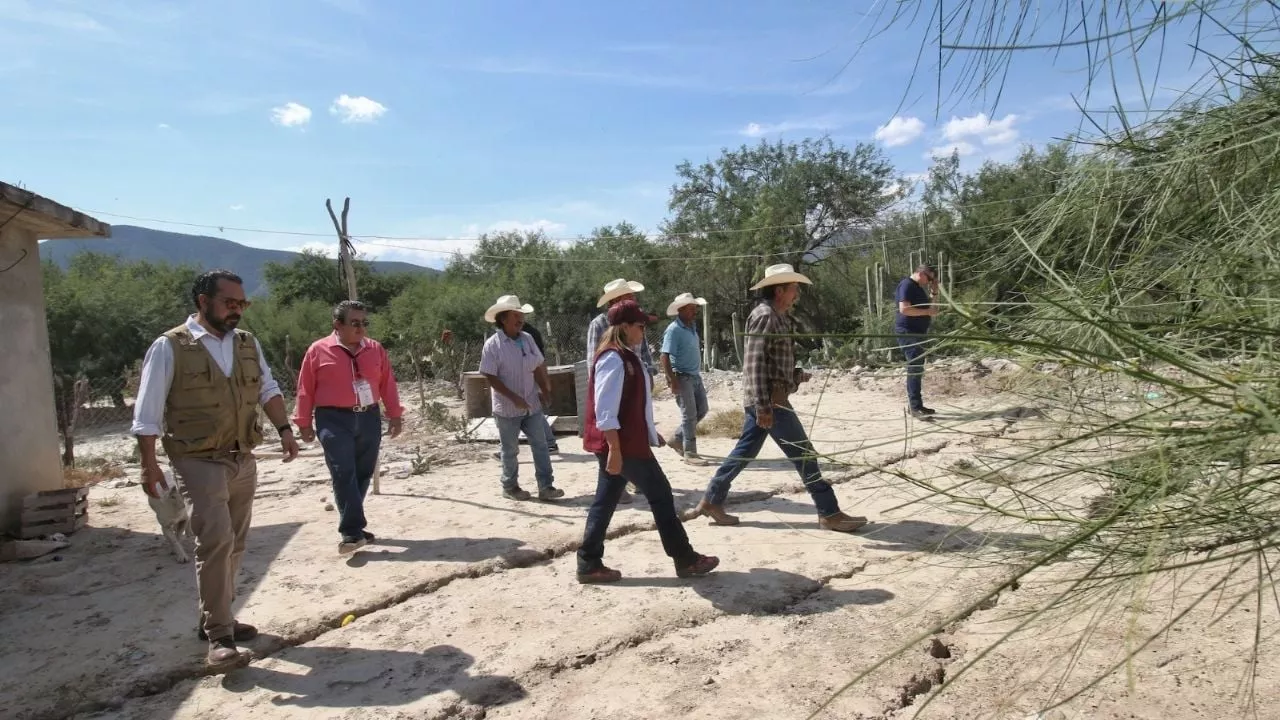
<point x="202" y="384"/>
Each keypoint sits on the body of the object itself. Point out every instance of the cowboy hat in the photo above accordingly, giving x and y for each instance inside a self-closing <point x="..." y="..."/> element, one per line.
<point x="684" y="299"/>
<point x="504" y="304"/>
<point x="781" y="274"/>
<point x="617" y="288"/>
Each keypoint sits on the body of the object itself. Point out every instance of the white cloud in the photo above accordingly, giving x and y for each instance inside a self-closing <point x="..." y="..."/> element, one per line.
<point x="329" y="250"/>
<point x="762" y="129"/>
<point x="961" y="147"/>
<point x="291" y="114"/>
<point x="980" y="128"/>
<point x="547" y="226"/>
<point x="163" y="126"/>
<point x="900" y="131"/>
<point x="357" y="109"/>
<point x="237" y="207"/>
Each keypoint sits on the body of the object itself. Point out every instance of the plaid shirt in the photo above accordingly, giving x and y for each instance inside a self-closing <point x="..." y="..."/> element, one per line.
<point x="770" y="362"/>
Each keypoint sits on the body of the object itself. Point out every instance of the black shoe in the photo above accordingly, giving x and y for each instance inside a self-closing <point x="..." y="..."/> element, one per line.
<point x="922" y="411"/>
<point x="368" y="536"/>
<point x="242" y="633"/>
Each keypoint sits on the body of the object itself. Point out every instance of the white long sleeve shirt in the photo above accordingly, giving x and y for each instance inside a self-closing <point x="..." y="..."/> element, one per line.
<point x="157" y="375"/>
<point x="610" y="374"/>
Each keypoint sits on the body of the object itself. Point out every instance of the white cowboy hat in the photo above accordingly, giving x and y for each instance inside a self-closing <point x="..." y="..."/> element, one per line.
<point x="505" y="303"/>
<point x="684" y="299"/>
<point x="617" y="288"/>
<point x="781" y="274"/>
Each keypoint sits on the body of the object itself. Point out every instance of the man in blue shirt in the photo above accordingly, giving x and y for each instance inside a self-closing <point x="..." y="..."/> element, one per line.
<point x="916" y="295"/>
<point x="682" y="364"/>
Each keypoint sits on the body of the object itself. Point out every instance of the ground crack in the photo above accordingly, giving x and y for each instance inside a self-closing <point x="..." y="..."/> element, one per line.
<point x="111" y="698"/>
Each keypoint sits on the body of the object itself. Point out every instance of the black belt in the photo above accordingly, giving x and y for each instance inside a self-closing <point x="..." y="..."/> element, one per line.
<point x="352" y="409"/>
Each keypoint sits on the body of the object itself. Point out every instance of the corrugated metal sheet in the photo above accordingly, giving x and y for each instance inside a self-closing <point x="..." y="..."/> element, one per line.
<point x="580" y="390"/>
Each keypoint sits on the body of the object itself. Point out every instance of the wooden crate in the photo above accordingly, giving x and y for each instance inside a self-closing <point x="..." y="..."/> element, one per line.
<point x="54" y="511"/>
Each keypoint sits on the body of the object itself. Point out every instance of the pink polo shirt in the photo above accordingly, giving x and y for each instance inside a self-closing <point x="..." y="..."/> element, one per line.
<point x="329" y="371"/>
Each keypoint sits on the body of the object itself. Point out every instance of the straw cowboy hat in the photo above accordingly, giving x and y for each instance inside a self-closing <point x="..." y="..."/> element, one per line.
<point x="684" y="299"/>
<point x="505" y="303"/>
<point x="615" y="289"/>
<point x="781" y="274"/>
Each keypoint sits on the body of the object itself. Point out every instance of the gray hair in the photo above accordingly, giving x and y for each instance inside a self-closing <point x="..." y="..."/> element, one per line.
<point x="341" y="310"/>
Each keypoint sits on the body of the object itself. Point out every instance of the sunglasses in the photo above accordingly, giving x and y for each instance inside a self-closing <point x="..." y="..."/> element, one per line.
<point x="234" y="304"/>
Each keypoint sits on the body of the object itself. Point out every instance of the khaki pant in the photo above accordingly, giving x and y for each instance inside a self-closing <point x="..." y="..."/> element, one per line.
<point x="220" y="495"/>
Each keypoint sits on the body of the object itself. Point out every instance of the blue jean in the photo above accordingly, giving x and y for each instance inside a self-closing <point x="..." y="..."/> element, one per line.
<point x="913" y="348"/>
<point x="534" y="426"/>
<point x="692" y="399"/>
<point x="648" y="477"/>
<point x="789" y="434"/>
<point x="350" y="441"/>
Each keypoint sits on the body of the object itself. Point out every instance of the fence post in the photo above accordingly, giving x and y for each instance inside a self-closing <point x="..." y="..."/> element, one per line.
<point x="706" y="332"/>
<point x="737" y="337"/>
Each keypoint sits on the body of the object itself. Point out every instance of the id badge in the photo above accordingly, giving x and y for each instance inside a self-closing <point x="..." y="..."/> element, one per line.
<point x="364" y="392"/>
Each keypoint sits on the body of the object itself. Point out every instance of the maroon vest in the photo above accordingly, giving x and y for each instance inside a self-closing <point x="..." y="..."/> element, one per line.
<point x="634" y="432"/>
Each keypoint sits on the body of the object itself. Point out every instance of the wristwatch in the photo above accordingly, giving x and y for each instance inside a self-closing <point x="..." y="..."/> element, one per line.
<point x="281" y="428"/>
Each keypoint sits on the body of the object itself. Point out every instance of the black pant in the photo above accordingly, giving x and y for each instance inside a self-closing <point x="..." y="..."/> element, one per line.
<point x="649" y="479"/>
<point x="350" y="441"/>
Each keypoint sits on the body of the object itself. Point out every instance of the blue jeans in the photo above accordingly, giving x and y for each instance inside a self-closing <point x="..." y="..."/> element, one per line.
<point x="647" y="475"/>
<point x="692" y="399"/>
<point x="534" y="426"/>
<point x="350" y="441"/>
<point x="913" y="348"/>
<point x="788" y="433"/>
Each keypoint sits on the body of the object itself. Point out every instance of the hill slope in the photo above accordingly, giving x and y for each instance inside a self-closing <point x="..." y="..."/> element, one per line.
<point x="138" y="243"/>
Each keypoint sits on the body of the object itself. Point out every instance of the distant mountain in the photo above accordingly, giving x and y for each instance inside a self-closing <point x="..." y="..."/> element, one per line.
<point x="132" y="243"/>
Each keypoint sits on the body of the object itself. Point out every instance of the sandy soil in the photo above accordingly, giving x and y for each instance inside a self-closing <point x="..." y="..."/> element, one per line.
<point x="467" y="606"/>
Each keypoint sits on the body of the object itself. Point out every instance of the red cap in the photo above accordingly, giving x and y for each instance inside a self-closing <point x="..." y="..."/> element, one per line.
<point x="627" y="311"/>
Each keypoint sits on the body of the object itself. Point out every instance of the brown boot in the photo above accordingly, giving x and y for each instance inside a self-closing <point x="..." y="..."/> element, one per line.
<point x="716" y="513"/>
<point x="222" y="653"/>
<point x="841" y="522"/>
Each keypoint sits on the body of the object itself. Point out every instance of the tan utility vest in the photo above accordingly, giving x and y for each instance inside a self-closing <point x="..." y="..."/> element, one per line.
<point x="208" y="414"/>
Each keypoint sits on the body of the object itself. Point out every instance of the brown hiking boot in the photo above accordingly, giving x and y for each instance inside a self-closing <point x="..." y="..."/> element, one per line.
<point x="701" y="566"/>
<point x="222" y="653"/>
<point x="841" y="522"/>
<point x="676" y="444"/>
<point x="599" y="576"/>
<point x="716" y="513"/>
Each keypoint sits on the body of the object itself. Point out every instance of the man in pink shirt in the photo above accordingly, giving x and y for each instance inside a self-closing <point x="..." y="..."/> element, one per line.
<point x="343" y="378"/>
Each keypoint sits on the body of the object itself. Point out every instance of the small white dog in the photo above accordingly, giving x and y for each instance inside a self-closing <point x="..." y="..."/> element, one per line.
<point x="171" y="512"/>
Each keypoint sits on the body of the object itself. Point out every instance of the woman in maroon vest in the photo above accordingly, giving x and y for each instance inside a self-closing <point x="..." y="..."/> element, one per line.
<point x="619" y="430"/>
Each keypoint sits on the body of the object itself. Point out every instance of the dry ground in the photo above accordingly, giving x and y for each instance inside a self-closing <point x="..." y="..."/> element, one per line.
<point x="467" y="606"/>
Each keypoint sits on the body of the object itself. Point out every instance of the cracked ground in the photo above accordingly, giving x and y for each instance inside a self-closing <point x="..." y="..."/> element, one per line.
<point x="467" y="606"/>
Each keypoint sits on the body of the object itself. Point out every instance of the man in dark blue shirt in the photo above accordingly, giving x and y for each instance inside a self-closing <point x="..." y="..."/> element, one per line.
<point x="915" y="296"/>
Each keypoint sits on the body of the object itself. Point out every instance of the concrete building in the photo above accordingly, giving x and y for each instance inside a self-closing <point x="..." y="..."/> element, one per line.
<point x="29" y="449"/>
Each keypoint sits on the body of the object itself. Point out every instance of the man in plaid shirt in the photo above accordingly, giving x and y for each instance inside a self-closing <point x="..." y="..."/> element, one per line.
<point x="770" y="376"/>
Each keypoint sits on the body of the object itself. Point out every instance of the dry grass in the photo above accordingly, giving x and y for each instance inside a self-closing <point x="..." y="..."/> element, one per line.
<point x="90" y="471"/>
<point x="724" y="423"/>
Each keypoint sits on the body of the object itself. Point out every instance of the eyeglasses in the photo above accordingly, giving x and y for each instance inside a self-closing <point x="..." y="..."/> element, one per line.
<point x="234" y="303"/>
<point x="358" y="323"/>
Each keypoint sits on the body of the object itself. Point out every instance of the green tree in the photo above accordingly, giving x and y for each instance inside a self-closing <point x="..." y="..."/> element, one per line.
<point x="315" y="277"/>
<point x="102" y="315"/>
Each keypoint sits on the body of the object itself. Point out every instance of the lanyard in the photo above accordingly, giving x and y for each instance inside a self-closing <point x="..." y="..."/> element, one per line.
<point x="355" y="365"/>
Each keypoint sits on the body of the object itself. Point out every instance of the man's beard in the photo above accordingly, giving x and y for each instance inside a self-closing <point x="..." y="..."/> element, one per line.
<point x="222" y="324"/>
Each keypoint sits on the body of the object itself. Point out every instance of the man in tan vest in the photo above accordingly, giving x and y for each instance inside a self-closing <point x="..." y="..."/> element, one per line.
<point x="202" y="384"/>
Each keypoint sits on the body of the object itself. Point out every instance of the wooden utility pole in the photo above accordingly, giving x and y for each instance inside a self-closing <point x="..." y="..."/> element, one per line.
<point x="347" y="266"/>
<point x="346" y="251"/>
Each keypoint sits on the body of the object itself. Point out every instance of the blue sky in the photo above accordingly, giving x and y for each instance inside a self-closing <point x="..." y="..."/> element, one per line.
<point x="446" y="119"/>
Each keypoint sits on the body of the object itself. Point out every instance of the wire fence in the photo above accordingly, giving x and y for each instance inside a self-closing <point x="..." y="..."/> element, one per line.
<point x="103" y="406"/>
<point x="89" y="408"/>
